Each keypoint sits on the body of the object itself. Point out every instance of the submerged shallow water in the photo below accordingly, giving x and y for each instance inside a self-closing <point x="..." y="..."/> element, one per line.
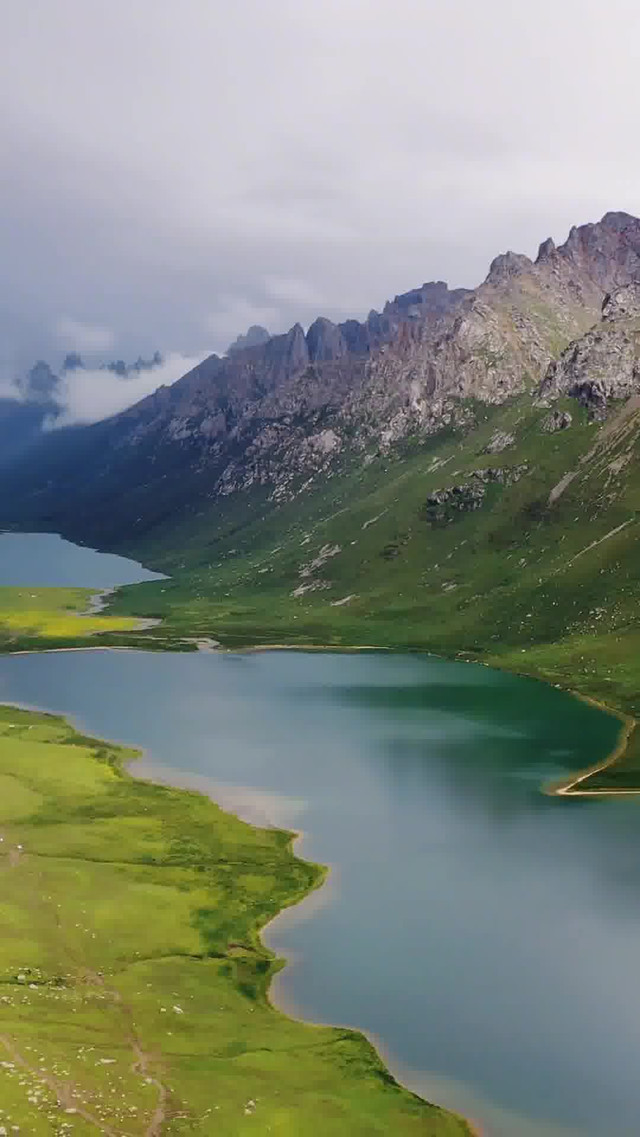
<point x="485" y="935"/>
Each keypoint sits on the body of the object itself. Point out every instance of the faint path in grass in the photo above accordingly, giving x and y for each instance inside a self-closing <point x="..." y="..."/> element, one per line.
<point x="64" y="1091"/>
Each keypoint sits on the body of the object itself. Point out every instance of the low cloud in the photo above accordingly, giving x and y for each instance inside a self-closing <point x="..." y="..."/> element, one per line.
<point x="81" y="337"/>
<point x="87" y="395"/>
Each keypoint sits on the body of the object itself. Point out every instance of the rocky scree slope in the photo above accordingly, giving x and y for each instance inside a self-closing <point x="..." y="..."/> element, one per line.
<point x="279" y="416"/>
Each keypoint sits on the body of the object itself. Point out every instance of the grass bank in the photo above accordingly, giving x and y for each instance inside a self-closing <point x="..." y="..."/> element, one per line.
<point x="133" y="980"/>
<point x="53" y="616"/>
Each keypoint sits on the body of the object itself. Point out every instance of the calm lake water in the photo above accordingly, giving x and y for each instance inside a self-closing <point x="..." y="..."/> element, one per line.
<point x="486" y="936"/>
<point x="37" y="560"/>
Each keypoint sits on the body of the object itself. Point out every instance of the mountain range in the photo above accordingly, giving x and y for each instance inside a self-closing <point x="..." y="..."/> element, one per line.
<point x="459" y="472"/>
<point x="287" y="409"/>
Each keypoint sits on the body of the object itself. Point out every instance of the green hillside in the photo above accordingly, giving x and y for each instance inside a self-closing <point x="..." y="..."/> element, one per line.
<point x="497" y="571"/>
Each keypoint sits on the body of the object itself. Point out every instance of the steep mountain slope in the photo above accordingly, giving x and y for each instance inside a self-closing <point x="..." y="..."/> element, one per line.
<point x="279" y="414"/>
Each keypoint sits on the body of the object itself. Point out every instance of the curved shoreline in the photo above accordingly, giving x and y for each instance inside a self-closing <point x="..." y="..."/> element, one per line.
<point x="563" y="787"/>
<point x="288" y="910"/>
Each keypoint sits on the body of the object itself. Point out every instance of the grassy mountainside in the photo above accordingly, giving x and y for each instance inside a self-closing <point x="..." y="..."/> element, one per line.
<point x="132" y="973"/>
<point x="442" y="546"/>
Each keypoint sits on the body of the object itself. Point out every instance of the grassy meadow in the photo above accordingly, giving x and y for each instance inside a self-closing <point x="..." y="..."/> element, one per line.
<point x="133" y="981"/>
<point x="53" y="617"/>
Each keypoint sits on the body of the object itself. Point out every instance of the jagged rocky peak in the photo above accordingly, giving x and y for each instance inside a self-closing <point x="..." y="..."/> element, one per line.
<point x="547" y="251"/>
<point x="507" y="265"/>
<point x="325" y="341"/>
<point x="255" y="336"/>
<point x="607" y="251"/>
<point x="618" y="221"/>
<point x="433" y="298"/>
<point x="291" y="351"/>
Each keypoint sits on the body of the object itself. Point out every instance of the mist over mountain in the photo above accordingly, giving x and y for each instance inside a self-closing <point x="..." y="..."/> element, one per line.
<point x="79" y="393"/>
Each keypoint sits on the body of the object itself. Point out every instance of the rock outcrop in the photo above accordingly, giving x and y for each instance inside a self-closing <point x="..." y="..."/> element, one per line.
<point x="500" y="440"/>
<point x="604" y="364"/>
<point x="556" y="420"/>
<point x="442" y="506"/>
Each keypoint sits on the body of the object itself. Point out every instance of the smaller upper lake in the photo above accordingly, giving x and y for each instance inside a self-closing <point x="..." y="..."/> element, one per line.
<point x="43" y="560"/>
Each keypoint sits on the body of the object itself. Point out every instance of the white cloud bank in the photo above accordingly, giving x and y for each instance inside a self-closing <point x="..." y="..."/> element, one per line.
<point x="86" y="395"/>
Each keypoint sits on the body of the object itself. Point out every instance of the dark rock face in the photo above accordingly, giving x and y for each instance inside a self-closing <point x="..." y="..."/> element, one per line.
<point x="547" y="251"/>
<point x="325" y="341"/>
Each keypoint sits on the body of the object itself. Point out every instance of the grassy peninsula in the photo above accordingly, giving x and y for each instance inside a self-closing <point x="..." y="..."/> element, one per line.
<point x="132" y="976"/>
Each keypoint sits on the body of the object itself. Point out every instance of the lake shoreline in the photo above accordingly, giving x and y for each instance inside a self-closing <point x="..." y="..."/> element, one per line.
<point x="289" y="909"/>
<point x="563" y="787"/>
<point x="289" y="912"/>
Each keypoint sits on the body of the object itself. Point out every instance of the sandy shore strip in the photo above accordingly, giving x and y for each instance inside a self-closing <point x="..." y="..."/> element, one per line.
<point x="566" y="787"/>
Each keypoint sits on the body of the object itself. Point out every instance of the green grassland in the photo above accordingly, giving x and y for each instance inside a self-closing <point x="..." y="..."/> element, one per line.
<point x="133" y="981"/>
<point x="53" y="617"/>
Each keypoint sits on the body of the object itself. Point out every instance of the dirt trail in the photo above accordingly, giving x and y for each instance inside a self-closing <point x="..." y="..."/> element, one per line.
<point x="141" y="1066"/>
<point x="64" y="1091"/>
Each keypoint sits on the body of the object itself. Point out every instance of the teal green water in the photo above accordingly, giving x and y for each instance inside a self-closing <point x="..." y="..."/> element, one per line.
<point x="485" y="935"/>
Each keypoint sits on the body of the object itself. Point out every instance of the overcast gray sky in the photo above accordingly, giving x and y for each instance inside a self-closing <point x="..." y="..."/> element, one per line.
<point x="174" y="170"/>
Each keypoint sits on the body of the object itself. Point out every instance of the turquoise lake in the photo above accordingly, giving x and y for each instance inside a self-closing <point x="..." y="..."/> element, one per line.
<point x="486" y="936"/>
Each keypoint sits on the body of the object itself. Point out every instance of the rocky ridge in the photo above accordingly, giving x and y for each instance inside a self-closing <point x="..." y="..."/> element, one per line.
<point x="280" y="413"/>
